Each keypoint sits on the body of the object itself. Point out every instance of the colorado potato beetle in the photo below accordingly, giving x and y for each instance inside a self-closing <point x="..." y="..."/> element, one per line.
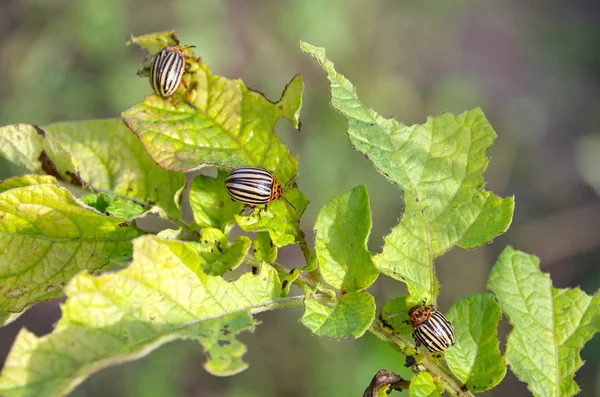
<point x="430" y="328"/>
<point x="166" y="72"/>
<point x="254" y="186"/>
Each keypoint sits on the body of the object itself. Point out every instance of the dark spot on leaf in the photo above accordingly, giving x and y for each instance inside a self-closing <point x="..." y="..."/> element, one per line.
<point x="40" y="130"/>
<point x="226" y="326"/>
<point x="220" y="249"/>
<point x="254" y="270"/>
<point x="48" y="166"/>
<point x="221" y="204"/>
<point x="75" y="179"/>
<point x="225" y="332"/>
<point x="205" y="241"/>
<point x="212" y="251"/>
<point x="152" y="318"/>
<point x="410" y="361"/>
<point x="223" y="342"/>
<point x="123" y="224"/>
<point x="284" y="284"/>
<point x="270" y="244"/>
<point x="371" y="125"/>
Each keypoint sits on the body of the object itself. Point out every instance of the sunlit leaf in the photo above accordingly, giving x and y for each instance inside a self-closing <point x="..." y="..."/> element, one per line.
<point x="352" y="315"/>
<point x="113" y="205"/>
<point x="280" y="220"/>
<point x="217" y="254"/>
<point x="475" y="358"/>
<point x="422" y="385"/>
<point x="101" y="153"/>
<point x="438" y="166"/>
<point x="47" y="236"/>
<point x="227" y="125"/>
<point x="211" y="205"/>
<point x="342" y="229"/>
<point x="264" y="250"/>
<point x="162" y="296"/>
<point x="112" y="159"/>
<point x="550" y="325"/>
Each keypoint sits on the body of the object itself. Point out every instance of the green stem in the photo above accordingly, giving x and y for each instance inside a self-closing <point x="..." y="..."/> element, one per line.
<point x="450" y="384"/>
<point x="280" y="303"/>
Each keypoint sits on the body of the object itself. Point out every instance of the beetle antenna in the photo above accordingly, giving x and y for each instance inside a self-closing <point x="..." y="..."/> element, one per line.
<point x="291" y="179"/>
<point x="291" y="205"/>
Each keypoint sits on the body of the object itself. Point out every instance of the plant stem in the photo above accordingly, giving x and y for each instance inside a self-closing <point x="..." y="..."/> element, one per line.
<point x="280" y="303"/>
<point x="450" y="384"/>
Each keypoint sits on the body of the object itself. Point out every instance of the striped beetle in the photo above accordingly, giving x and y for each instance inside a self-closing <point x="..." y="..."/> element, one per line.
<point x="431" y="328"/>
<point x="254" y="186"/>
<point x="166" y="72"/>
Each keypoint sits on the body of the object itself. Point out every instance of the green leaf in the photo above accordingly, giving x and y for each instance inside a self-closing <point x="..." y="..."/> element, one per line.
<point x="422" y="385"/>
<point x="438" y="166"/>
<point x="287" y="279"/>
<point x="264" y="250"/>
<point x="475" y="358"/>
<point x="229" y="125"/>
<point x="47" y="236"/>
<point x="280" y="220"/>
<point x="350" y="316"/>
<point x="342" y="229"/>
<point x="162" y="296"/>
<point x="94" y="153"/>
<point x="113" y="205"/>
<point x="218" y="255"/>
<point x="105" y="148"/>
<point x="550" y="325"/>
<point x="30" y="147"/>
<point x="211" y="204"/>
<point x="394" y="313"/>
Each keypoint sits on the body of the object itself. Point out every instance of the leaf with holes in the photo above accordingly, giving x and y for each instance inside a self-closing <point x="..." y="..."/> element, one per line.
<point x="95" y="153"/>
<point x="438" y="166"/>
<point x="217" y="254"/>
<point x="223" y="123"/>
<point x="550" y="325"/>
<point x="162" y="296"/>
<point x="47" y="236"/>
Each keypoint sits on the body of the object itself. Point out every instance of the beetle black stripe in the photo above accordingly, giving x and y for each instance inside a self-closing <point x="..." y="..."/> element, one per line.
<point x="435" y="333"/>
<point x="167" y="71"/>
<point x="250" y="185"/>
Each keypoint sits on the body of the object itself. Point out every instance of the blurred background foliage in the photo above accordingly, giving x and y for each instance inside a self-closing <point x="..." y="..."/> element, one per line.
<point x="533" y="67"/>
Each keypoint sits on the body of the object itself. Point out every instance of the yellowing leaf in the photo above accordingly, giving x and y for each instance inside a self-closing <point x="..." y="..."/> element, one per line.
<point x="163" y="295"/>
<point x="47" y="236"/>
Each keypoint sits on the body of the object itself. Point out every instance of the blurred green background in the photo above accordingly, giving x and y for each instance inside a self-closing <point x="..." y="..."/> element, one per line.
<point x="533" y="67"/>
